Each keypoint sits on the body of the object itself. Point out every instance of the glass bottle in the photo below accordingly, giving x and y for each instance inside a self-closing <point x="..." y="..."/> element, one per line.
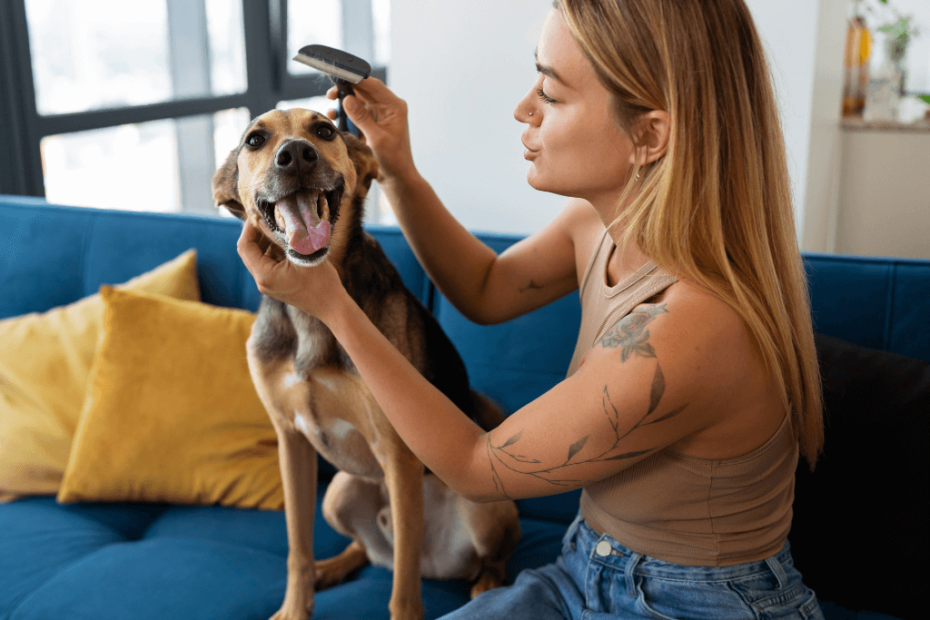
<point x="884" y="99"/>
<point x="856" y="62"/>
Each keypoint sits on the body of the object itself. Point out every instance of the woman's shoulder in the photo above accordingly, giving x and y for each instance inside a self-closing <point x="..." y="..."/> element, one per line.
<point x="706" y="346"/>
<point x="697" y="323"/>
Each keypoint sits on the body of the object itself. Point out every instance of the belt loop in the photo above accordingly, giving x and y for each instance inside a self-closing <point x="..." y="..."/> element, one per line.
<point x="779" y="572"/>
<point x="628" y="573"/>
<point x="571" y="534"/>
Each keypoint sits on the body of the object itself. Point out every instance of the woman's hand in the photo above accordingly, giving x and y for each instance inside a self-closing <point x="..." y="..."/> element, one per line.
<point x="318" y="291"/>
<point x="382" y="117"/>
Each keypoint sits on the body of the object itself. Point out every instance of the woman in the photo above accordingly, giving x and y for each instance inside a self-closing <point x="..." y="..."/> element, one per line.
<point x="694" y="385"/>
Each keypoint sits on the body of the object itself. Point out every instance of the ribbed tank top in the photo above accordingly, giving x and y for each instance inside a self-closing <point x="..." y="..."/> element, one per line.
<point x="671" y="506"/>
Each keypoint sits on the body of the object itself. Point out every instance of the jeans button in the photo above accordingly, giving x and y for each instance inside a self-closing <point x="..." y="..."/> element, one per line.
<point x="603" y="548"/>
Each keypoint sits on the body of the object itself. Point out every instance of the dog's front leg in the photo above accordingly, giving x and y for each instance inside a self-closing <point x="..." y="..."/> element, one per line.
<point x="404" y="478"/>
<point x="298" y="475"/>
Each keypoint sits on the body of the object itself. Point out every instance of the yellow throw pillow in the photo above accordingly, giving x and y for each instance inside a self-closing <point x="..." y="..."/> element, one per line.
<point x="45" y="364"/>
<point x="171" y="414"/>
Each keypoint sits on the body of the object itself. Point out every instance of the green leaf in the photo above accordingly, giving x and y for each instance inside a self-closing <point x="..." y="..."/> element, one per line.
<point x="925" y="98"/>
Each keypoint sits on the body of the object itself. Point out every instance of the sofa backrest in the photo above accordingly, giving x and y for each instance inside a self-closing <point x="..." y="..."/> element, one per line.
<point x="878" y="303"/>
<point x="52" y="255"/>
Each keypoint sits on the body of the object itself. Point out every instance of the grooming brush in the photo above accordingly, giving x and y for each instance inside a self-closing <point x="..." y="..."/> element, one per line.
<point x="343" y="69"/>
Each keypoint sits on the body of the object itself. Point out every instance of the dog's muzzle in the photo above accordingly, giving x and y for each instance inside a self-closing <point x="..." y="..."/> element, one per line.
<point x="302" y="221"/>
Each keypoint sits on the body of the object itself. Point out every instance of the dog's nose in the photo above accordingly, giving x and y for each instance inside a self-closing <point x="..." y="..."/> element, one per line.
<point x="295" y="154"/>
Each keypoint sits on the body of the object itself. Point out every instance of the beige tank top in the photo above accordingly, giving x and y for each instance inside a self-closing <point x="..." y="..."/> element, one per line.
<point x="671" y="506"/>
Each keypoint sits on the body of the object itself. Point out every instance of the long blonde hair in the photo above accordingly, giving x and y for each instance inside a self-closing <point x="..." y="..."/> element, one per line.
<point x="716" y="208"/>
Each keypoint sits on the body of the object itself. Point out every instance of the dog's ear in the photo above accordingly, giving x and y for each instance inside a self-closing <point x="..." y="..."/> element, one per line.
<point x="226" y="186"/>
<point x="366" y="166"/>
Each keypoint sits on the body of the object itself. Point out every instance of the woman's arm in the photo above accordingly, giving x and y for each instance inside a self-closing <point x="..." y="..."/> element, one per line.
<point x="659" y="375"/>
<point x="485" y="287"/>
<point x="639" y="390"/>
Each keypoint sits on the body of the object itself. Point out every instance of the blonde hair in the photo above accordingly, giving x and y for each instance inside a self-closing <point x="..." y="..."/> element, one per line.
<point x="716" y="208"/>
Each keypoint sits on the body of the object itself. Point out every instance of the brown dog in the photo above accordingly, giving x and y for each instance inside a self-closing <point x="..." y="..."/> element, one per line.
<point x="303" y="183"/>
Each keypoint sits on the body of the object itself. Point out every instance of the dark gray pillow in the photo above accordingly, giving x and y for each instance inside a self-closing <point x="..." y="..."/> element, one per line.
<point x="859" y="533"/>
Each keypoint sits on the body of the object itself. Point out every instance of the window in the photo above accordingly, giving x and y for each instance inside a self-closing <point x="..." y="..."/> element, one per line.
<point x="132" y="105"/>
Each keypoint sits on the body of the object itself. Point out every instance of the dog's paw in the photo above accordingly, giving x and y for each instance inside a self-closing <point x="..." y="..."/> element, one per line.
<point x="329" y="573"/>
<point x="491" y="577"/>
<point x="296" y="606"/>
<point x="409" y="610"/>
<point x="293" y="612"/>
<point x="334" y="570"/>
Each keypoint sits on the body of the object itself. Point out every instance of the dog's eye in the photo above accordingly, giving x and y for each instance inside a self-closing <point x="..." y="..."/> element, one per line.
<point x="255" y="140"/>
<point x="326" y="132"/>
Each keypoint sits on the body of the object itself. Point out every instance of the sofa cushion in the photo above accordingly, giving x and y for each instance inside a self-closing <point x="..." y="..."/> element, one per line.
<point x="115" y="561"/>
<point x="45" y="366"/>
<point x="171" y="414"/>
<point x="871" y="488"/>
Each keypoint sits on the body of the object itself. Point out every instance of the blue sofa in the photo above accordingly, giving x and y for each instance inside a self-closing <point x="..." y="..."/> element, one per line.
<point x="859" y="534"/>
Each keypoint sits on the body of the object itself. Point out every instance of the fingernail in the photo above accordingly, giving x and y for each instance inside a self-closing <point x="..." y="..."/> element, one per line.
<point x="351" y="104"/>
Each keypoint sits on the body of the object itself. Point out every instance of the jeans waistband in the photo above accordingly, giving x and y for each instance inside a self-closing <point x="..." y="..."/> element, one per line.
<point x="588" y="541"/>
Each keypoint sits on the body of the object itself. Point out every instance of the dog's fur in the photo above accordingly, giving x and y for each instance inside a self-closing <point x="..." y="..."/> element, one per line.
<point x="396" y="514"/>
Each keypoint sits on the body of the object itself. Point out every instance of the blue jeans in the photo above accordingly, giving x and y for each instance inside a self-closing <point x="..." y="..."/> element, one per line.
<point x="597" y="578"/>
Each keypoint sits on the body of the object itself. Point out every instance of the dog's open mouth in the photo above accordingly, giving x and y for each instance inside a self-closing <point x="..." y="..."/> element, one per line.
<point x="303" y="221"/>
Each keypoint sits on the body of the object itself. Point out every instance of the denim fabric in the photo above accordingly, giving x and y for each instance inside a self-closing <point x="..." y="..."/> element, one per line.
<point x="586" y="584"/>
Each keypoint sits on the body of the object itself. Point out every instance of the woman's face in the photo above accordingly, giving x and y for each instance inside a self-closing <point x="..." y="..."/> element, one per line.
<point x="572" y="141"/>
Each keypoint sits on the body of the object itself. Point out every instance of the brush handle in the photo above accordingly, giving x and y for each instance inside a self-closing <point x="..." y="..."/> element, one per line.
<point x="344" y="89"/>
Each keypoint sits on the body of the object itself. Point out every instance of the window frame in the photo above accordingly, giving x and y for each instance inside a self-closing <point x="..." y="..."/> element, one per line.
<point x="267" y="82"/>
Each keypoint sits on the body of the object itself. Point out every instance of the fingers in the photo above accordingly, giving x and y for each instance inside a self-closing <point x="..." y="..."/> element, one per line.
<point x="371" y="89"/>
<point x="252" y="250"/>
<point x="358" y="113"/>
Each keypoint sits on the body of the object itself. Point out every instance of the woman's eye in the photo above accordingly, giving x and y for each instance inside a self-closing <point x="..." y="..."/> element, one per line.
<point x="255" y="140"/>
<point x="542" y="95"/>
<point x="326" y="132"/>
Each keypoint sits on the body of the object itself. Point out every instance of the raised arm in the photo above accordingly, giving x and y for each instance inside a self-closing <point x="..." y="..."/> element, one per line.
<point x="483" y="286"/>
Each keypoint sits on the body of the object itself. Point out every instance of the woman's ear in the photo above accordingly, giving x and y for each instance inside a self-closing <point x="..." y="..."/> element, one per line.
<point x="651" y="136"/>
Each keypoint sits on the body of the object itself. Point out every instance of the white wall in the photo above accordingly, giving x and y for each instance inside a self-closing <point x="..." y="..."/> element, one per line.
<point x="462" y="67"/>
<point x="789" y="31"/>
<point x="884" y="194"/>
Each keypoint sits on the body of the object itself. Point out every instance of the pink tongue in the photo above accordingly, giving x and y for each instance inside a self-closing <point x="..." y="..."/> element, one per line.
<point x="306" y="233"/>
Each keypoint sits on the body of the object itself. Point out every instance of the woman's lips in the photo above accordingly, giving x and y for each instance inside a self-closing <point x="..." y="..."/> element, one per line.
<point x="529" y="153"/>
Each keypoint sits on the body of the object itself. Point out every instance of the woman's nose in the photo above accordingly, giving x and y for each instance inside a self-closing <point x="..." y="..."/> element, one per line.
<point x="525" y="111"/>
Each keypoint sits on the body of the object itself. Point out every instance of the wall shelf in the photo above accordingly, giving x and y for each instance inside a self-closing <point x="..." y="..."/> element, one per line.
<point x="857" y="124"/>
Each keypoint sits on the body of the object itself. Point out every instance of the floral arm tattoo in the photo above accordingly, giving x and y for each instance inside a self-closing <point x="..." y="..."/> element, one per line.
<point x="631" y="337"/>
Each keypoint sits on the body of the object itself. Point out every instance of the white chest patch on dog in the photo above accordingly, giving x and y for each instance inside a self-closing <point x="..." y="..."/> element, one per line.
<point x="301" y="423"/>
<point x="341" y="429"/>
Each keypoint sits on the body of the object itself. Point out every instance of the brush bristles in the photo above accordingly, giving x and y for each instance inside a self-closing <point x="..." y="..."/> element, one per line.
<point x="329" y="69"/>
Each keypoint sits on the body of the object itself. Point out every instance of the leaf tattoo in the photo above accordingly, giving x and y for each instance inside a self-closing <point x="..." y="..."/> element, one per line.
<point x="576" y="448"/>
<point x="502" y="456"/>
<point x="658" y="388"/>
<point x="632" y="338"/>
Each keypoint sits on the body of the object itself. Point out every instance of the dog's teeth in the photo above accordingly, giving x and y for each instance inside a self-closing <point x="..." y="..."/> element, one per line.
<point x="279" y="219"/>
<point x="323" y="207"/>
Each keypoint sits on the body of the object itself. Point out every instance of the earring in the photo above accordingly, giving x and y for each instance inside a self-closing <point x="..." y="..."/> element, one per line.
<point x="531" y="114"/>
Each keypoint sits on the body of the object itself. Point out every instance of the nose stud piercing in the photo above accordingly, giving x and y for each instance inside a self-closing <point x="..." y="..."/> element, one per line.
<point x="531" y="114"/>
